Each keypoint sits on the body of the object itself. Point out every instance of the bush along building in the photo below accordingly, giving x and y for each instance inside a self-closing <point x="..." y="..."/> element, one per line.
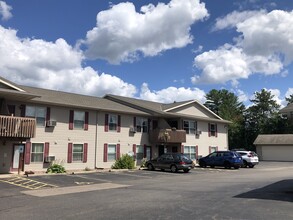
<point x="38" y="126"/>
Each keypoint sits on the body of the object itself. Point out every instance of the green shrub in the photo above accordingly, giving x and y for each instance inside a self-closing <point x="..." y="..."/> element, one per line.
<point x="124" y="162"/>
<point x="56" y="168"/>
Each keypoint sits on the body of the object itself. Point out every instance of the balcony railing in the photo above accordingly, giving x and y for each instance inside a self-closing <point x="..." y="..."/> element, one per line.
<point x="167" y="136"/>
<point x="18" y="127"/>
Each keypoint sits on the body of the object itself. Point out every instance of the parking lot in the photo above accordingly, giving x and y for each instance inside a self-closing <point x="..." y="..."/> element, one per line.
<point x="264" y="192"/>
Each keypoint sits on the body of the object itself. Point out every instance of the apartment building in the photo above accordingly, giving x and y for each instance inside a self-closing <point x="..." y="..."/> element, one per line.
<point x="38" y="126"/>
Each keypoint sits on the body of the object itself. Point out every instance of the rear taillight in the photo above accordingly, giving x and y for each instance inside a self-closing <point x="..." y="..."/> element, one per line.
<point x="181" y="162"/>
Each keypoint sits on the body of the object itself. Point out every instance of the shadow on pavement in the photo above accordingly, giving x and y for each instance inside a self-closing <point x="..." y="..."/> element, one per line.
<point x="281" y="191"/>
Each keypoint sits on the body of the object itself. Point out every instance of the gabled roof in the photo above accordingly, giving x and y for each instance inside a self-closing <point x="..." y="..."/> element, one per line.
<point x="274" y="139"/>
<point x="287" y="109"/>
<point x="160" y="109"/>
<point x="60" y="98"/>
<point x="10" y="84"/>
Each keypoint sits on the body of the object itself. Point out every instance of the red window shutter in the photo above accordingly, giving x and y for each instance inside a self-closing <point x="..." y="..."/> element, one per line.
<point x="196" y="151"/>
<point x="46" y="150"/>
<point x="27" y="156"/>
<point x="209" y="129"/>
<point x="119" y="123"/>
<point x="86" y="121"/>
<point x="105" y="152"/>
<point x="69" y="156"/>
<point x="134" y="150"/>
<point x="71" y="115"/>
<point x="48" y="114"/>
<point x="217" y="148"/>
<point x="85" y="147"/>
<point x="106" y="127"/>
<point x="210" y="149"/>
<point x="144" y="151"/>
<point x="182" y="149"/>
<point x="216" y="132"/>
<point x="118" y="151"/>
<point x="22" y="111"/>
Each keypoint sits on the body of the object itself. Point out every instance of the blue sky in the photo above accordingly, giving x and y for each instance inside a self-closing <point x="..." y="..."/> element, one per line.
<point x="159" y="50"/>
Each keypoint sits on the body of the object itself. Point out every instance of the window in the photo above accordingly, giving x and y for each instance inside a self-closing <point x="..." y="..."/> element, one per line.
<point x="37" y="154"/>
<point x="190" y="152"/>
<point x="189" y="126"/>
<point x="213" y="149"/>
<point x="111" y="152"/>
<point x="78" y="119"/>
<point x="139" y="152"/>
<point x="141" y="125"/>
<point x="113" y="122"/>
<point x="77" y="152"/>
<point x="36" y="112"/>
<point x="213" y="130"/>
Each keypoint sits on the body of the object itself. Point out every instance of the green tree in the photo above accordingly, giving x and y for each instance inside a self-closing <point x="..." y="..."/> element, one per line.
<point x="263" y="117"/>
<point x="289" y="99"/>
<point x="227" y="106"/>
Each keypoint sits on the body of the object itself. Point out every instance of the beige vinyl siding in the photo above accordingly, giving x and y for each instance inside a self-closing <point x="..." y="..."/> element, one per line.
<point x="59" y="136"/>
<point x="193" y="110"/>
<point x="124" y="138"/>
<point x="203" y="141"/>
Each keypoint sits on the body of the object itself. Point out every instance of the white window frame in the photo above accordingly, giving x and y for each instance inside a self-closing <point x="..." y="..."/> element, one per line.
<point x="39" y="113"/>
<point x="112" y="153"/>
<point x="214" y="130"/>
<point x="189" y="128"/>
<point x="74" y="159"/>
<point x="139" y="152"/>
<point x="213" y="149"/>
<point x="141" y="125"/>
<point x="35" y="153"/>
<point x="113" y="124"/>
<point x="78" y="119"/>
<point x="188" y="152"/>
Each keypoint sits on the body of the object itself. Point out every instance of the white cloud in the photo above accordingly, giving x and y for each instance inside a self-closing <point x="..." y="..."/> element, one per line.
<point x="5" y="11"/>
<point x="277" y="96"/>
<point x="232" y="19"/>
<point x="54" y="65"/>
<point x="122" y="34"/>
<point x="264" y="46"/>
<point x="172" y="94"/>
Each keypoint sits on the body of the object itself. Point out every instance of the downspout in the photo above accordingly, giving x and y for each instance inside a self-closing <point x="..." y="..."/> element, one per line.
<point x="96" y="141"/>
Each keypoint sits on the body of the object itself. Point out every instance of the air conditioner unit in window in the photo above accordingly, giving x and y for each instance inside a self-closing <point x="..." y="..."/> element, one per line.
<point x="198" y="133"/>
<point x="132" y="129"/>
<point x="51" y="123"/>
<point x="49" y="159"/>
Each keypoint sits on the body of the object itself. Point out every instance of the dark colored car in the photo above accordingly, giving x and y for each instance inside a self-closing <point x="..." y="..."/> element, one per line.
<point x="225" y="159"/>
<point x="170" y="161"/>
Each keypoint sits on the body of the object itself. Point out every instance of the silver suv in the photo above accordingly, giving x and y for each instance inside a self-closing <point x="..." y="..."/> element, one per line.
<point x="249" y="158"/>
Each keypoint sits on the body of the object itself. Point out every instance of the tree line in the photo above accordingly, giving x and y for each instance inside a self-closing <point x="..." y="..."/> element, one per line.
<point x="262" y="117"/>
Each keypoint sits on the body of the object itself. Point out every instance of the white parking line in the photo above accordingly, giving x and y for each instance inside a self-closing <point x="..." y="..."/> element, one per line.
<point x="72" y="189"/>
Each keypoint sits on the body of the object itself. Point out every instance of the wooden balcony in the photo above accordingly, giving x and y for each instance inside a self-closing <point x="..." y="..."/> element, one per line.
<point x="17" y="127"/>
<point x="167" y="136"/>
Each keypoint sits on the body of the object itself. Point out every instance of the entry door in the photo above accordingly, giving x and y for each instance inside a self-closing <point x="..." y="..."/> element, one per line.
<point x="148" y="153"/>
<point x="17" y="156"/>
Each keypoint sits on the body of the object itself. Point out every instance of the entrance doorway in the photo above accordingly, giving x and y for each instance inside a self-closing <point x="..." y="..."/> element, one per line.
<point x="17" y="162"/>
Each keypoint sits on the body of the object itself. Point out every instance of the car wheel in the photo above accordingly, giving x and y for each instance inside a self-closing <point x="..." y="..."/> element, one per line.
<point x="227" y="165"/>
<point x="150" y="167"/>
<point x="186" y="170"/>
<point x="251" y="166"/>
<point x="173" y="169"/>
<point x="202" y="164"/>
<point x="244" y="163"/>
